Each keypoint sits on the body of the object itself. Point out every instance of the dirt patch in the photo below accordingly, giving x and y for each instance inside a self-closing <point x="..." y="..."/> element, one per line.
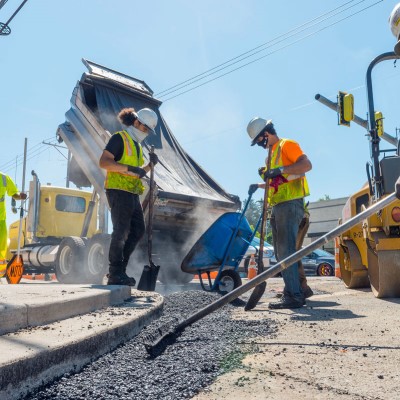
<point x="343" y="344"/>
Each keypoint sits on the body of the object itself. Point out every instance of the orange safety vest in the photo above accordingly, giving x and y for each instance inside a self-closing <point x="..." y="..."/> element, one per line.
<point x="295" y="188"/>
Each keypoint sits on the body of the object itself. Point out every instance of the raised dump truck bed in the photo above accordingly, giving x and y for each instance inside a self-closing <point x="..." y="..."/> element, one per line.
<point x="188" y="200"/>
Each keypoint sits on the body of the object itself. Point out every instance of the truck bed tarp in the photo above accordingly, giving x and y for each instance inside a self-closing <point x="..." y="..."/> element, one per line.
<point x="177" y="173"/>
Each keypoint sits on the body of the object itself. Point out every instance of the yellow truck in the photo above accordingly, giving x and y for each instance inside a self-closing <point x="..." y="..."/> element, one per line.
<point x="55" y="232"/>
<point x="369" y="253"/>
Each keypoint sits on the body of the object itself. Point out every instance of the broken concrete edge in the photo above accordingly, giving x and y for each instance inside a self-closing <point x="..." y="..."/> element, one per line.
<point x="20" y="316"/>
<point x="23" y="376"/>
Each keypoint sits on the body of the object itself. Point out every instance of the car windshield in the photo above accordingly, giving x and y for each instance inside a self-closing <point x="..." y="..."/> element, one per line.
<point x="256" y="242"/>
<point x="323" y="253"/>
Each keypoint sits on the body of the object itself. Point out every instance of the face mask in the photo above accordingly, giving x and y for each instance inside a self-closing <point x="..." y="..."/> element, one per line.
<point x="136" y="134"/>
<point x="263" y="143"/>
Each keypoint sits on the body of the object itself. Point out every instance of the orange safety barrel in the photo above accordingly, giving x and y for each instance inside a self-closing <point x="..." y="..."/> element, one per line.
<point x="252" y="268"/>
<point x="337" y="261"/>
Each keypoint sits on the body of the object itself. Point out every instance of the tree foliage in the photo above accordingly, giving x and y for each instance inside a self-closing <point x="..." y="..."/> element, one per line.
<point x="253" y="214"/>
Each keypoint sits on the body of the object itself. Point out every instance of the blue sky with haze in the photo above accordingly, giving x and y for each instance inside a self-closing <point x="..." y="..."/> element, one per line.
<point x="166" y="42"/>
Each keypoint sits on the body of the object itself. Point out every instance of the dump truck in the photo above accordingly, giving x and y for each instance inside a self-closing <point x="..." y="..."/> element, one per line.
<point x="74" y="241"/>
<point x="369" y="253"/>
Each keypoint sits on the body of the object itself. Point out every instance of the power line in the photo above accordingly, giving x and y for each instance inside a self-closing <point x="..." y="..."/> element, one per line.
<point x="253" y="51"/>
<point x="33" y="152"/>
<point x="274" y="51"/>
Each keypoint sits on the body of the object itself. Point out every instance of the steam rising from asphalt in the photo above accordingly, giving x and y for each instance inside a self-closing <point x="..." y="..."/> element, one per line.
<point x="171" y="246"/>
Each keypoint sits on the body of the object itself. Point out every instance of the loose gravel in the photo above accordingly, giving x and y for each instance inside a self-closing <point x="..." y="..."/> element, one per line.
<point x="206" y="349"/>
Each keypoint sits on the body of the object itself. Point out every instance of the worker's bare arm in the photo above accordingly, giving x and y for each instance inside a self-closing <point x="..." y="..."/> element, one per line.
<point x="301" y="166"/>
<point x="107" y="162"/>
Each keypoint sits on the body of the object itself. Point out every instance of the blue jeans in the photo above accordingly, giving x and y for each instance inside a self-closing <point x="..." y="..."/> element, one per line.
<point x="285" y="221"/>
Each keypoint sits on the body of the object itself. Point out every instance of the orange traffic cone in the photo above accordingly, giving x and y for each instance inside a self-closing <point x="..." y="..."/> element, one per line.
<point x="252" y="268"/>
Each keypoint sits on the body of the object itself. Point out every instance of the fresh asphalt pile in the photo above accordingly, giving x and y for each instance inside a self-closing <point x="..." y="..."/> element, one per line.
<point x="204" y="350"/>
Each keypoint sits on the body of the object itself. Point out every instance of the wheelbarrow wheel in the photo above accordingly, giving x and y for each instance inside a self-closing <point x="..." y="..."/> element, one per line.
<point x="228" y="281"/>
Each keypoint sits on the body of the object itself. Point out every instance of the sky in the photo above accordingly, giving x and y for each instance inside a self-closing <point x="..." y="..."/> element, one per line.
<point x="167" y="42"/>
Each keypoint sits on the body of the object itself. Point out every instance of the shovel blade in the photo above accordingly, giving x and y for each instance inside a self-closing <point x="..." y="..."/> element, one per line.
<point x="255" y="296"/>
<point x="148" y="279"/>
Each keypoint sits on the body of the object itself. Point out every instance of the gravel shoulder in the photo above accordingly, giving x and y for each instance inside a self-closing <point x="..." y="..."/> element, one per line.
<point x="344" y="344"/>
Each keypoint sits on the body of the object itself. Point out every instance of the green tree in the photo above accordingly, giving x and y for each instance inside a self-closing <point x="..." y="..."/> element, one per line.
<point x="253" y="214"/>
<point x="326" y="197"/>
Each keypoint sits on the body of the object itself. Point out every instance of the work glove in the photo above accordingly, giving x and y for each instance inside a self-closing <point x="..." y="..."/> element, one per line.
<point x="137" y="170"/>
<point x="153" y="158"/>
<point x="252" y="188"/>
<point x="270" y="174"/>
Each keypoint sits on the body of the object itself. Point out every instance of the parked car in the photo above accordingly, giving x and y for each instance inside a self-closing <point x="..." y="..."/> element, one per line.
<point x="253" y="249"/>
<point x="319" y="262"/>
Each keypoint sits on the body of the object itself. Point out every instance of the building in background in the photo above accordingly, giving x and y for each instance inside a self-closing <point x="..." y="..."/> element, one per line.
<point x="324" y="216"/>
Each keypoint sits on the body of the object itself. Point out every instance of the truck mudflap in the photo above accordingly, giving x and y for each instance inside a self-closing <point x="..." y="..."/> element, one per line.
<point x="353" y="272"/>
<point x="384" y="266"/>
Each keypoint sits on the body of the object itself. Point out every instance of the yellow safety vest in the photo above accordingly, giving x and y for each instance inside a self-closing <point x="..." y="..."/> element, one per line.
<point x="295" y="188"/>
<point x="133" y="156"/>
<point x="7" y="186"/>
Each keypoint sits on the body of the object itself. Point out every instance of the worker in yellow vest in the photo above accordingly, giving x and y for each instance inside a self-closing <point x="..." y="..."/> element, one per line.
<point x="287" y="189"/>
<point x="7" y="186"/>
<point x="123" y="160"/>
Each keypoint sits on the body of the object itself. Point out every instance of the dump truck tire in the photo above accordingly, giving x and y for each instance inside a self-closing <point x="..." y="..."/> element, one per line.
<point x="69" y="260"/>
<point x="96" y="256"/>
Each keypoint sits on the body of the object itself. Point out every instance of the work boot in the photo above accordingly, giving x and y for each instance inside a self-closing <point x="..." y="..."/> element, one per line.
<point x="307" y="292"/>
<point x="120" y="278"/>
<point x="286" y="302"/>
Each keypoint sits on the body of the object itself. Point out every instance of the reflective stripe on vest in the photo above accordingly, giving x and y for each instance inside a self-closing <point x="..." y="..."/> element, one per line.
<point x="4" y="180"/>
<point x="295" y="188"/>
<point x="133" y="156"/>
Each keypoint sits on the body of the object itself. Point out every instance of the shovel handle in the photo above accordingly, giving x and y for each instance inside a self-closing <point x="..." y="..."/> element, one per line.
<point x="150" y="223"/>
<point x="264" y="217"/>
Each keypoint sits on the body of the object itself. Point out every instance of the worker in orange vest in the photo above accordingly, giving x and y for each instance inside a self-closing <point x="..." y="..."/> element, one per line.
<point x="287" y="188"/>
<point x="7" y="186"/>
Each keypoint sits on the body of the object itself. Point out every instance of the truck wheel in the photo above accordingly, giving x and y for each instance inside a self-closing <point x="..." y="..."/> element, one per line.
<point x="228" y="281"/>
<point x="325" y="269"/>
<point x="96" y="258"/>
<point x="69" y="256"/>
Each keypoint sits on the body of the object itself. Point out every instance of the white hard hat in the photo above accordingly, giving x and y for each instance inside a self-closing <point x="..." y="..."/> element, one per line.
<point x="148" y="117"/>
<point x="394" y="23"/>
<point x="255" y="127"/>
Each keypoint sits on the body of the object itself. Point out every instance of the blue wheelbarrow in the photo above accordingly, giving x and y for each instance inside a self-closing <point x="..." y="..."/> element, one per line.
<point x="221" y="248"/>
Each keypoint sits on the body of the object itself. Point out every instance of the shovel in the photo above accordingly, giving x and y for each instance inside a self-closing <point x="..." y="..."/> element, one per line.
<point x="15" y="267"/>
<point x="148" y="279"/>
<point x="260" y="289"/>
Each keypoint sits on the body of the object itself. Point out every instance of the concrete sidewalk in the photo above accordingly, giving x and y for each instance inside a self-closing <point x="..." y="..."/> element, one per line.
<point x="49" y="329"/>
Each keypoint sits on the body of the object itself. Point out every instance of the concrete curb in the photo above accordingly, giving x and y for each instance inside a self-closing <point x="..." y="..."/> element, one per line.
<point x="32" y="305"/>
<point x="31" y="358"/>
